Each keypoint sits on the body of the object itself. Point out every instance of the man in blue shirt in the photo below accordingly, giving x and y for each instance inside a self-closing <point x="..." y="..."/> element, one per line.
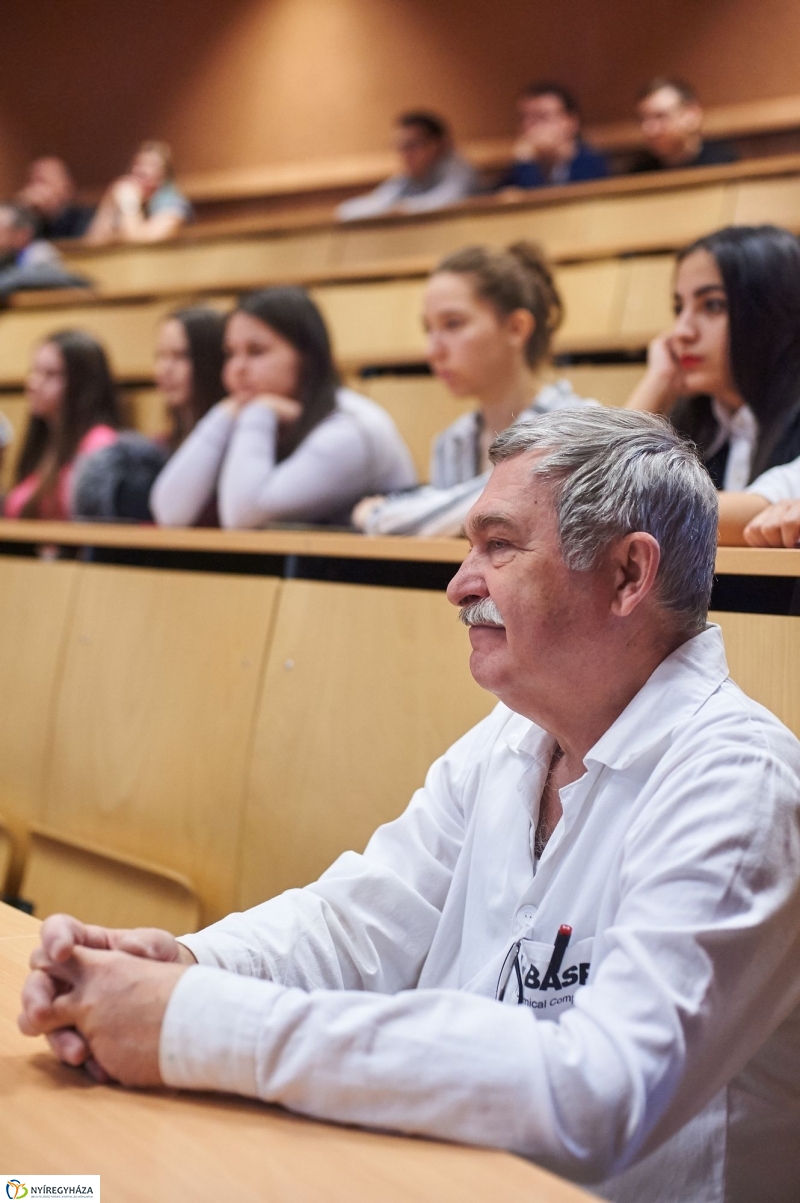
<point x="549" y="149"/>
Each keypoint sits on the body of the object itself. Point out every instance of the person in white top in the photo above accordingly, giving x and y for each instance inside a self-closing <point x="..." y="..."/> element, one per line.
<point x="288" y="444"/>
<point x="431" y="174"/>
<point x="580" y="941"/>
<point x="777" y="494"/>
<point x="728" y="373"/>
<point x="490" y="317"/>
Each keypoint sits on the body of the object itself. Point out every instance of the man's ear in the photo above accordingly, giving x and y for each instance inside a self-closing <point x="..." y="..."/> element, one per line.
<point x="635" y="560"/>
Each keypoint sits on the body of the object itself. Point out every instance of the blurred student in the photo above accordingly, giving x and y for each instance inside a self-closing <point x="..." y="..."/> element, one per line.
<point x="671" y="120"/>
<point x="728" y="373"/>
<point x="549" y="148"/>
<point x="50" y="192"/>
<point x="145" y="205"/>
<point x="26" y="261"/>
<point x="431" y="174"/>
<point x="115" y="483"/>
<point x="73" y="411"/>
<point x="288" y="444"/>
<point x="490" y="317"/>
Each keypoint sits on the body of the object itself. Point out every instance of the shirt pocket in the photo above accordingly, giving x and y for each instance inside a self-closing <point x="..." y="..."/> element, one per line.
<point x="541" y="984"/>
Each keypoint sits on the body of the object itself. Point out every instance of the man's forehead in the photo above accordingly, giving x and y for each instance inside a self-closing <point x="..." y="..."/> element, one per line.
<point x="513" y="497"/>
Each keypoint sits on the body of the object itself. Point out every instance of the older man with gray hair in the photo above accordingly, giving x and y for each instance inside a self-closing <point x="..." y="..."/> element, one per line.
<point x="581" y="940"/>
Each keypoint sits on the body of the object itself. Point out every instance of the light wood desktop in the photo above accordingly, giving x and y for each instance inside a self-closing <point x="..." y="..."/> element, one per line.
<point x="150" y="1147"/>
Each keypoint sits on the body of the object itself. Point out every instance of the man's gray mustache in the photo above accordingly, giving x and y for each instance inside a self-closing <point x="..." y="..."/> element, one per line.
<point x="483" y="613"/>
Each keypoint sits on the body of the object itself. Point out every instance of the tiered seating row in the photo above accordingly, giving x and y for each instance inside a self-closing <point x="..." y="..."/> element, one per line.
<point x="176" y="744"/>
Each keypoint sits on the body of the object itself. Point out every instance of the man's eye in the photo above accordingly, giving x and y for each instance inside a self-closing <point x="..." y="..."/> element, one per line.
<point x="496" y="544"/>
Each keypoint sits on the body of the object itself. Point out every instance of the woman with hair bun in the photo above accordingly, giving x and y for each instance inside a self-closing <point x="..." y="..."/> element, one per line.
<point x="288" y="444"/>
<point x="490" y="317"/>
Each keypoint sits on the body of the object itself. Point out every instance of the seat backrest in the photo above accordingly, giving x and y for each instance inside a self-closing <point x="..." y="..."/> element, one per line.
<point x="365" y="687"/>
<point x="101" y="887"/>
<point x="763" y="652"/>
<point x="5" y="857"/>
<point x="36" y="600"/>
<point x="153" y="722"/>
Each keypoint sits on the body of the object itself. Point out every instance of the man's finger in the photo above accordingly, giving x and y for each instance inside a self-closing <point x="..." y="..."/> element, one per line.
<point x="38" y="994"/>
<point x="61" y="934"/>
<point x="69" y="1046"/>
<point x="65" y="973"/>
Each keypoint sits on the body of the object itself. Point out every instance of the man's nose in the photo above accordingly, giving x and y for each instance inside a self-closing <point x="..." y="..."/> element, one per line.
<point x="467" y="585"/>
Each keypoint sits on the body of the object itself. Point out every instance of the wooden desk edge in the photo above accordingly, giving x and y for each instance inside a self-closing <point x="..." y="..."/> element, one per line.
<point x="745" y="561"/>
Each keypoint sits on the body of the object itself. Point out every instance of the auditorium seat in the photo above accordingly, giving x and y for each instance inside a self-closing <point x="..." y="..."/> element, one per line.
<point x="106" y="888"/>
<point x="365" y="686"/>
<point x="36" y="601"/>
<point x="151" y="729"/>
<point x="763" y="652"/>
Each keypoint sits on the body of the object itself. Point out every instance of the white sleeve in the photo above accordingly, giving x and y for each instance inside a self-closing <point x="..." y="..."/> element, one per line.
<point x="188" y="481"/>
<point x="778" y="484"/>
<point x="322" y="478"/>
<point x="426" y="511"/>
<point x="371" y="204"/>
<point x="699" y="967"/>
<point x="368" y="922"/>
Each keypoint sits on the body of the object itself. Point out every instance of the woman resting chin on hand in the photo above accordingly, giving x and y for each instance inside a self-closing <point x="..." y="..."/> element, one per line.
<point x="288" y="444"/>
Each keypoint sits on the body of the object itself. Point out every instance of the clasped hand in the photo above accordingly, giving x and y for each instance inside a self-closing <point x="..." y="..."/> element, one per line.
<point x="99" y="996"/>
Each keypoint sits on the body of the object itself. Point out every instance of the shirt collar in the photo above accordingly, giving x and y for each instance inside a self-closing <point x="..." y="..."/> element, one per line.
<point x="673" y="693"/>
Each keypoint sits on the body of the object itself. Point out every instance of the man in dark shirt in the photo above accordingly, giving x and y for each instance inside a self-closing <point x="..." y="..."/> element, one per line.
<point x="50" y="192"/>
<point x="549" y="149"/>
<point x="672" y="122"/>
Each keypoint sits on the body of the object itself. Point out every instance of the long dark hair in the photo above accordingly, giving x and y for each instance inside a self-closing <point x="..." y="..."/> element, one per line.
<point x="760" y="269"/>
<point x="291" y="313"/>
<point x="205" y="333"/>
<point x="90" y="399"/>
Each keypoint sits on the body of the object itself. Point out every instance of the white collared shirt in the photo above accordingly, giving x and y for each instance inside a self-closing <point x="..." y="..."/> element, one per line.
<point x="778" y="484"/>
<point x="738" y="428"/>
<point x="677" y="865"/>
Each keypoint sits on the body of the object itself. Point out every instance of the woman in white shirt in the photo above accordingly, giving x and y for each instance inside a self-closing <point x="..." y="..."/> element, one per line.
<point x="288" y="444"/>
<point x="490" y="317"/>
<point x="728" y="373"/>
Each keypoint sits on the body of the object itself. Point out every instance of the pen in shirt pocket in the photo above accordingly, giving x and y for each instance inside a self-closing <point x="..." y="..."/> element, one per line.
<point x="551" y="978"/>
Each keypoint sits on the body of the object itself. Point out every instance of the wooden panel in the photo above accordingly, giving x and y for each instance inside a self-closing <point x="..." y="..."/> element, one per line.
<point x="647" y="309"/>
<point x="127" y="331"/>
<point x="657" y="219"/>
<point x="764" y="660"/>
<point x="6" y="848"/>
<point x="146" y="411"/>
<point x="593" y="294"/>
<point x="775" y="201"/>
<point x="610" y="384"/>
<point x="152" y="727"/>
<point x="35" y="603"/>
<point x="374" y="323"/>
<point x="98" y="887"/>
<point x="244" y="261"/>
<point x="421" y="407"/>
<point x="558" y="228"/>
<point x="365" y="687"/>
<point x="384" y="241"/>
<point x="15" y="408"/>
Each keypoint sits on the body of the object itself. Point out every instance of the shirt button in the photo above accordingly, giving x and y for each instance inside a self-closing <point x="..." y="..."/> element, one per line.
<point x="526" y="915"/>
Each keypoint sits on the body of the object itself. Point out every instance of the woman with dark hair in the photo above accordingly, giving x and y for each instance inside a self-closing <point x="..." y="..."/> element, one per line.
<point x="288" y="443"/>
<point x="490" y="317"/>
<point x="728" y="373"/>
<point x="115" y="483"/>
<point x="73" y="411"/>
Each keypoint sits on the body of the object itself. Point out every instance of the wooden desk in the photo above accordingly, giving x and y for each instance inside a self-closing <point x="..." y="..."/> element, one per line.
<point x="154" y="1146"/>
